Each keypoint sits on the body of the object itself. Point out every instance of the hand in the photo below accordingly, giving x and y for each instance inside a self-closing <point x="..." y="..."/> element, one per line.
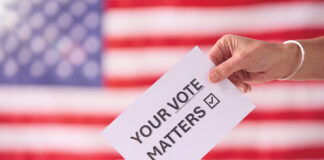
<point x="244" y="61"/>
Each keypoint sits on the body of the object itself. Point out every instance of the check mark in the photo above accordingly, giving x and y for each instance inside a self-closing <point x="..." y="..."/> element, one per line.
<point x="211" y="100"/>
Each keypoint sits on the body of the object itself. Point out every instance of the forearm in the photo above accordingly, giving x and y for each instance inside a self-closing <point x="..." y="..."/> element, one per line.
<point x="313" y="66"/>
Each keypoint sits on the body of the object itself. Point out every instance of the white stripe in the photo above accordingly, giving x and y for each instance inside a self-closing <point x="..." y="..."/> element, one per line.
<point x="98" y="101"/>
<point x="65" y="100"/>
<point x="285" y="96"/>
<point x="206" y="21"/>
<point x="142" y="61"/>
<point x="273" y="135"/>
<point x="53" y="138"/>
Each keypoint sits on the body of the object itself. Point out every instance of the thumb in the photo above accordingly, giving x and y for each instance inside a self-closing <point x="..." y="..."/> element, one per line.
<point x="224" y="70"/>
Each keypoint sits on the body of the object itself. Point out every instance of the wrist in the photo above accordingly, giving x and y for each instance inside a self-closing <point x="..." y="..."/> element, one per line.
<point x="291" y="59"/>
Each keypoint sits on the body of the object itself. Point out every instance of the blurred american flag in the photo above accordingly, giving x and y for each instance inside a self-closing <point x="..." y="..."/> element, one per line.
<point x="69" y="67"/>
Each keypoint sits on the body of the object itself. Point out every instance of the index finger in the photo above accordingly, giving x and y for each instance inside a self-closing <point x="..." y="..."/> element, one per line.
<point x="220" y="52"/>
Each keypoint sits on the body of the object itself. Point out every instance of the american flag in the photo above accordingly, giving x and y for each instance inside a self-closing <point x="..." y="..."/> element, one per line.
<point x="69" y="67"/>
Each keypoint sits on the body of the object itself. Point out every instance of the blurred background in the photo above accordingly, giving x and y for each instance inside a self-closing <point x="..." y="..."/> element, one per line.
<point x="69" y="67"/>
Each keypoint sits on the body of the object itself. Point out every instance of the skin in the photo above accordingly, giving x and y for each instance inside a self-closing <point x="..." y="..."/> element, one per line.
<point x="244" y="61"/>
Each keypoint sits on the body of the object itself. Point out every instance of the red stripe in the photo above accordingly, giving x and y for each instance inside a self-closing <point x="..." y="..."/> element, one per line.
<point x="289" y="153"/>
<point x="286" y="115"/>
<point x="70" y="119"/>
<point x="192" y="40"/>
<point x="113" y="4"/>
<point x="148" y="80"/>
<point x="37" y="155"/>
<point x="246" y="153"/>
<point x="126" y="82"/>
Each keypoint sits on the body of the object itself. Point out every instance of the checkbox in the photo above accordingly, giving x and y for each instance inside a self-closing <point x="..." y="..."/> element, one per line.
<point x="211" y="100"/>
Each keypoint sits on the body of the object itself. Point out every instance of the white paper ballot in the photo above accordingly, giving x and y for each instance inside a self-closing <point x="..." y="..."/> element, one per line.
<point x="181" y="116"/>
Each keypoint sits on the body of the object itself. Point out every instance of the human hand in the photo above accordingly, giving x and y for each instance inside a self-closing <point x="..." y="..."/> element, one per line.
<point x="244" y="61"/>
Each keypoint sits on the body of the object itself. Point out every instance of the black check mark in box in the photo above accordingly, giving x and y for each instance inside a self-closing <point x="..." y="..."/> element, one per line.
<point x="211" y="100"/>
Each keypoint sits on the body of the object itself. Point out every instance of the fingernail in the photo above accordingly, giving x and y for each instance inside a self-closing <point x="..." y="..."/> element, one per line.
<point x="248" y="90"/>
<point x="242" y="89"/>
<point x="214" y="76"/>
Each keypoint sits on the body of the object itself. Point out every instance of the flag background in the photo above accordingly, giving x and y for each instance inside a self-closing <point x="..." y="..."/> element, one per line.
<point x="68" y="68"/>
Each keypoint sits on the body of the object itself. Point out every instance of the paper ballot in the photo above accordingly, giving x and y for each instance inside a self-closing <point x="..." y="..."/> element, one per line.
<point x="181" y="116"/>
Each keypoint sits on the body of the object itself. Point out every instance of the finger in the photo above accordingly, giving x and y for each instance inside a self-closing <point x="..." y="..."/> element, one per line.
<point x="235" y="80"/>
<point x="238" y="82"/>
<point x="224" y="70"/>
<point x="220" y="51"/>
<point x="247" y="88"/>
<point x="215" y="54"/>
